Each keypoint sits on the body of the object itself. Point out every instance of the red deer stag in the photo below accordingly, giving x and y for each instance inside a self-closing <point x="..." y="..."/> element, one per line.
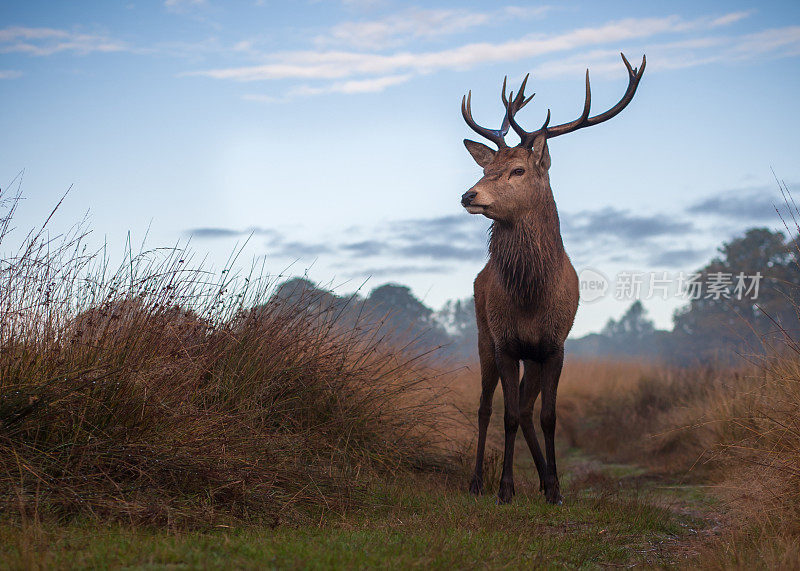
<point x="527" y="294"/>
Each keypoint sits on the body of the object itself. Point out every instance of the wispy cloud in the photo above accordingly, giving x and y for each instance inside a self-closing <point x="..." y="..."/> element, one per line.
<point x="365" y="248"/>
<point x="603" y="235"/>
<point x="751" y="204"/>
<point x="678" y="258"/>
<point x="363" y="5"/>
<point x="397" y="270"/>
<point x="417" y="24"/>
<point x="442" y="251"/>
<point x="183" y="6"/>
<point x="261" y="98"/>
<point x="623" y="225"/>
<point x="371" y="85"/>
<point x="310" y="64"/>
<point x="729" y="19"/>
<point x="784" y="41"/>
<point x="456" y="237"/>
<point x="300" y="249"/>
<point x="214" y="232"/>
<point x="10" y="74"/>
<point x="49" y="41"/>
<point x="363" y="66"/>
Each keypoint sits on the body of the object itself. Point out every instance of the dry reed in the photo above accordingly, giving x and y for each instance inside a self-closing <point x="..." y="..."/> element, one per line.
<point x="162" y="393"/>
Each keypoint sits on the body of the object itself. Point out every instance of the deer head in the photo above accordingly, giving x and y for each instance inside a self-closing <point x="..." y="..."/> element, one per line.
<point x="516" y="179"/>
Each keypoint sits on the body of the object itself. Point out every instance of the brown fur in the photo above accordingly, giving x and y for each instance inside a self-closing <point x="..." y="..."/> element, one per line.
<point x="525" y="302"/>
<point x="527" y="295"/>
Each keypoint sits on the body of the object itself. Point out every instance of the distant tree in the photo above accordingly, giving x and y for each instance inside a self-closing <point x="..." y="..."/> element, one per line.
<point x="457" y="317"/>
<point x="633" y="336"/>
<point x="400" y="300"/>
<point x="301" y="294"/>
<point x="405" y="318"/>
<point x="632" y="325"/>
<point x="716" y="327"/>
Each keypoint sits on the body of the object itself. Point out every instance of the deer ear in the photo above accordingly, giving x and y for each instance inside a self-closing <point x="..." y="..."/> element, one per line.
<point x="541" y="153"/>
<point x="482" y="154"/>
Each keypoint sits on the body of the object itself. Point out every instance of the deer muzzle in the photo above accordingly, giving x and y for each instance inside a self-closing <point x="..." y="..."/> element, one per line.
<point x="468" y="197"/>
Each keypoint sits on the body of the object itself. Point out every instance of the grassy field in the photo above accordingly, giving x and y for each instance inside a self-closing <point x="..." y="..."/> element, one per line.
<point x="672" y="508"/>
<point x="161" y="415"/>
<point x="614" y="515"/>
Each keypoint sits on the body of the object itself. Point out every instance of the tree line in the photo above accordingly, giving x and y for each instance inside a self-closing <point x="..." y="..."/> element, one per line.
<point x="709" y="328"/>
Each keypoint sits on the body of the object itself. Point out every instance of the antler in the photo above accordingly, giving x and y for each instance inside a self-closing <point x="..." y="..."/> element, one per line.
<point x="634" y="75"/>
<point x="518" y="102"/>
<point x="497" y="136"/>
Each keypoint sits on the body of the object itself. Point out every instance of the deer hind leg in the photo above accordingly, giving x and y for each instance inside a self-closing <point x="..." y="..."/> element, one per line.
<point x="509" y="376"/>
<point x="529" y="391"/>
<point x="489" y="378"/>
<point x="551" y="371"/>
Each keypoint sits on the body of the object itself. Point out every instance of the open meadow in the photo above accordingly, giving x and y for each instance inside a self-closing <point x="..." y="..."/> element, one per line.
<point x="264" y="306"/>
<point x="160" y="415"/>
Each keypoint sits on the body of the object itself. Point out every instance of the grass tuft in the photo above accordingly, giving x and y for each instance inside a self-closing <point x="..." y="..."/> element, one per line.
<point x="162" y="393"/>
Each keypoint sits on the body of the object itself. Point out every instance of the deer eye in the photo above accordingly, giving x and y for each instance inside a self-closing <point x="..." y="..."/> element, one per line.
<point x="518" y="172"/>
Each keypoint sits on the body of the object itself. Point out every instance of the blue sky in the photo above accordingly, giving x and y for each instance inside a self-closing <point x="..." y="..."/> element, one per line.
<point x="331" y="130"/>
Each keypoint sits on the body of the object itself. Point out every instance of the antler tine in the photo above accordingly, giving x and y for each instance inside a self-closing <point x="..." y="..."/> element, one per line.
<point x="518" y="102"/>
<point x="546" y="121"/>
<point x="510" y="112"/>
<point x="634" y="76"/>
<point x="520" y="99"/>
<point x="526" y="138"/>
<point x="495" y="136"/>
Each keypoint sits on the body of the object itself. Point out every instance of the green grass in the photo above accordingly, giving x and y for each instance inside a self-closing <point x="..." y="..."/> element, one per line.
<point x="425" y="523"/>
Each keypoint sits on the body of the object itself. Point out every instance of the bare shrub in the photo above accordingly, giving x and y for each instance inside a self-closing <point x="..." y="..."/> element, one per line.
<point x="160" y="392"/>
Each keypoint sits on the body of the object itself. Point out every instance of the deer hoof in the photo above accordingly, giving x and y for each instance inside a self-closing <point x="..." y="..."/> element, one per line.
<point x="554" y="497"/>
<point x="506" y="492"/>
<point x="476" y="486"/>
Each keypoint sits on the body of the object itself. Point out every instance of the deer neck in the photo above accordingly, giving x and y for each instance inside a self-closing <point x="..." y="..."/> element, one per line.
<point x="528" y="252"/>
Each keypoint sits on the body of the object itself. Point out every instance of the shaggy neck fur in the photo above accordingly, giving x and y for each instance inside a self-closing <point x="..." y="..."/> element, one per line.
<point x="527" y="253"/>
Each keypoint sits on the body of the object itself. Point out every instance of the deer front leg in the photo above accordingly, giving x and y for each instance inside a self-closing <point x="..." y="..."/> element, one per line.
<point x="489" y="378"/>
<point x="551" y="371"/>
<point x="509" y="376"/>
<point x="528" y="392"/>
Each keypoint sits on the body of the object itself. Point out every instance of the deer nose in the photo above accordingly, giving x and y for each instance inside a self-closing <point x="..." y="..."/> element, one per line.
<point x="467" y="197"/>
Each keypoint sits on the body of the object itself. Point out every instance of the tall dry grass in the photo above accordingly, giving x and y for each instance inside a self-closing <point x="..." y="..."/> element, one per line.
<point x="735" y="430"/>
<point x="159" y="392"/>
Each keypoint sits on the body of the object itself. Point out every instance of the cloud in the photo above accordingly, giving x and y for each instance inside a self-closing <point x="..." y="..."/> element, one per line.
<point x="613" y="235"/>
<point x="753" y="204"/>
<point x="10" y="74"/>
<point x="785" y="40"/>
<point x="343" y="64"/>
<point x="456" y="237"/>
<point x="348" y="56"/>
<point x="417" y="24"/>
<point x="183" y="6"/>
<point x="365" y="248"/>
<point x="49" y="41"/>
<point x="729" y="19"/>
<point x="678" y="258"/>
<point x="443" y="251"/>
<point x="372" y="85"/>
<point x="363" y="4"/>
<point x="622" y="225"/>
<point x="450" y="229"/>
<point x="383" y="271"/>
<point x="260" y="98"/>
<point x="299" y="249"/>
<point x="215" y="232"/>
